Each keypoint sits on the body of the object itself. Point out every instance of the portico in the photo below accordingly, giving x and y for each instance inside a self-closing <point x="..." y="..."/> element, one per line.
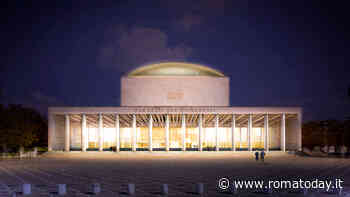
<point x="174" y="128"/>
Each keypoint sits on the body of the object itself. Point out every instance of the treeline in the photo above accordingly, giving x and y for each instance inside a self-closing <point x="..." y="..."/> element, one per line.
<point x="327" y="132"/>
<point x="21" y="127"/>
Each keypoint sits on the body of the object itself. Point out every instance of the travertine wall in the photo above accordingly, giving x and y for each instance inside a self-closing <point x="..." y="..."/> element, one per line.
<point x="292" y="134"/>
<point x="58" y="133"/>
<point x="175" y="91"/>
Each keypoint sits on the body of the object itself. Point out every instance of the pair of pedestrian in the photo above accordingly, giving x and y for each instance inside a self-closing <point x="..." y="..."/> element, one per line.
<point x="262" y="156"/>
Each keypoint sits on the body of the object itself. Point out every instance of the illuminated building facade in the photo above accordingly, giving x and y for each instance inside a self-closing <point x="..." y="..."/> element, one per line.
<point x="174" y="106"/>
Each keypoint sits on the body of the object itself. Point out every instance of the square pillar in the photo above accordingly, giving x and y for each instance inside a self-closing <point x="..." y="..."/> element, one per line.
<point x="233" y="132"/>
<point x="183" y="129"/>
<point x="299" y="133"/>
<point x="100" y="132"/>
<point x="83" y="133"/>
<point x="250" y="148"/>
<point x="216" y="132"/>
<point x="67" y="134"/>
<point x="51" y="133"/>
<point x="117" y="133"/>
<point x="200" y="128"/>
<point x="283" y="132"/>
<point x="150" y="127"/>
<point x="266" y="133"/>
<point x="167" y="133"/>
<point x="134" y="132"/>
<point x="240" y="137"/>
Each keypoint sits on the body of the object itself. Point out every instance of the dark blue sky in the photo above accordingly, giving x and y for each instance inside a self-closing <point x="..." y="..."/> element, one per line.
<point x="293" y="53"/>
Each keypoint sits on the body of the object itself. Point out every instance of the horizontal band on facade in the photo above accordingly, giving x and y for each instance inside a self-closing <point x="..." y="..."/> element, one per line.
<point x="174" y="110"/>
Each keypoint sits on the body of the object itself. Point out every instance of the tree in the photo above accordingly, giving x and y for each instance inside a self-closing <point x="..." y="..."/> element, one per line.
<point x="2" y="128"/>
<point x="334" y="130"/>
<point x="20" y="126"/>
<point x="312" y="135"/>
<point x="347" y="132"/>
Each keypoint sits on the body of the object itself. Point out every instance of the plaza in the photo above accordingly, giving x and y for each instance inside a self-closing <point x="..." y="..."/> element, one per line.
<point x="148" y="171"/>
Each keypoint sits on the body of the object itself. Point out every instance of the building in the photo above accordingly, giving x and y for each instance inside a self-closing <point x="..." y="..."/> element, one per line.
<point x="174" y="106"/>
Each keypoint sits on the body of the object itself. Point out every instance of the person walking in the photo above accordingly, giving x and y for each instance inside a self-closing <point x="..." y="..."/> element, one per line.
<point x="262" y="155"/>
<point x="256" y="156"/>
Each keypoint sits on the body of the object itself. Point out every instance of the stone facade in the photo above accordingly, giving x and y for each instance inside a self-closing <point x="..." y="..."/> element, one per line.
<point x="175" y="91"/>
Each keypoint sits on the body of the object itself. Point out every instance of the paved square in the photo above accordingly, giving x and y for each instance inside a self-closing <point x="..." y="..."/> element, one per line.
<point x="149" y="170"/>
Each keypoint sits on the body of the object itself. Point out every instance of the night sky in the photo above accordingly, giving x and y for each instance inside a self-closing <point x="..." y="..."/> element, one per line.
<point x="276" y="53"/>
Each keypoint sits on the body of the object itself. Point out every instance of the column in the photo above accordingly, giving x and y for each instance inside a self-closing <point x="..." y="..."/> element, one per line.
<point x="216" y="132"/>
<point x="83" y="133"/>
<point x="299" y="135"/>
<point x="167" y="133"/>
<point x="266" y="133"/>
<point x="51" y="134"/>
<point x="100" y="132"/>
<point x="117" y="133"/>
<point x="150" y="126"/>
<point x="183" y="129"/>
<point x="283" y="133"/>
<point x="233" y="132"/>
<point x="200" y="121"/>
<point x="134" y="132"/>
<point x="240" y="137"/>
<point x="67" y="134"/>
<point x="249" y="133"/>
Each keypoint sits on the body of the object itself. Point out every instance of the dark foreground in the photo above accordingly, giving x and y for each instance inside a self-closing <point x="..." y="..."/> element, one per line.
<point x="148" y="171"/>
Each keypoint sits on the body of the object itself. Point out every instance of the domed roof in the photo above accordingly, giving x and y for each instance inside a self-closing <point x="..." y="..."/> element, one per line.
<point x="175" y="69"/>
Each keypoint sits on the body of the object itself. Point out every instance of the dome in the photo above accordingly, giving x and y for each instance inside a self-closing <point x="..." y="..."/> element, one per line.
<point x="175" y="69"/>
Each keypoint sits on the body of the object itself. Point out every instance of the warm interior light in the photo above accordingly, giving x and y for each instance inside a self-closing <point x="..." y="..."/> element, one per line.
<point x="175" y="137"/>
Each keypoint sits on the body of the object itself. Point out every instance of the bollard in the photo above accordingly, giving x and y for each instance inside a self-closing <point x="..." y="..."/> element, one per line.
<point x="199" y="188"/>
<point x="340" y="192"/>
<point x="305" y="191"/>
<point x="269" y="190"/>
<point x="312" y="193"/>
<point x="21" y="152"/>
<point x="233" y="189"/>
<point x="165" y="189"/>
<point x="35" y="152"/>
<point x="96" y="188"/>
<point x="131" y="189"/>
<point x="62" y="189"/>
<point x="26" y="189"/>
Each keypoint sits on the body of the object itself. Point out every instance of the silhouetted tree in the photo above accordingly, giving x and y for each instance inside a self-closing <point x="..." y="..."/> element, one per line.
<point x="346" y="133"/>
<point x="20" y="126"/>
<point x="326" y="132"/>
<point x="311" y="134"/>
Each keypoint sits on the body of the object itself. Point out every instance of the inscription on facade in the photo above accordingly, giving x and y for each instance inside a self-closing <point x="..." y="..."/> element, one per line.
<point x="175" y="95"/>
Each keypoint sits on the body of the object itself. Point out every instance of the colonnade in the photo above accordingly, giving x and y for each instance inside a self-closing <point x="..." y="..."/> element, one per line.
<point x="84" y="140"/>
